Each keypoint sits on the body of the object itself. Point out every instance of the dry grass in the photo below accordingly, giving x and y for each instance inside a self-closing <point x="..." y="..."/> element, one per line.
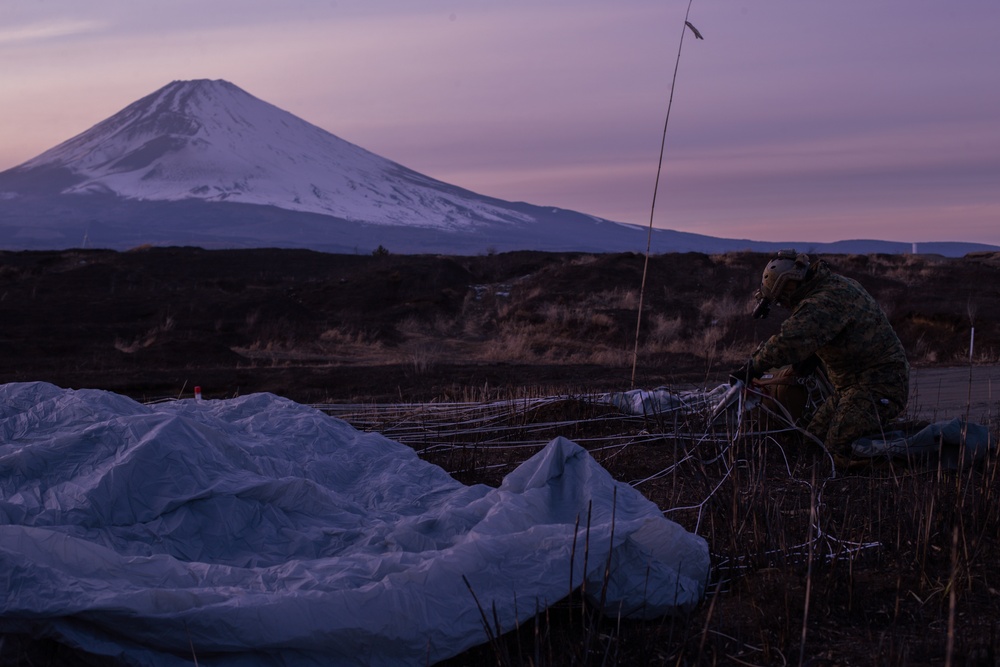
<point x="623" y="298"/>
<point x="528" y="326"/>
<point x="665" y="330"/>
<point x="516" y="308"/>
<point x="146" y="339"/>
<point x="891" y="565"/>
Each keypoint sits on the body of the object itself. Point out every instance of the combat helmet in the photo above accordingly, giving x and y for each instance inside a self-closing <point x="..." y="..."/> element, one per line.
<point x="786" y="265"/>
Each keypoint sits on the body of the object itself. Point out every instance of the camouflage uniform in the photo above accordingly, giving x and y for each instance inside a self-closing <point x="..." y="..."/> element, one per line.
<point x="834" y="318"/>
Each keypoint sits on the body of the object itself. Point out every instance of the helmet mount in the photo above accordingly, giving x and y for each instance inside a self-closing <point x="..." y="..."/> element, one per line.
<point x="787" y="265"/>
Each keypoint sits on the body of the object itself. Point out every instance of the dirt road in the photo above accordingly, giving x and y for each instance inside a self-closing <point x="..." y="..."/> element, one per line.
<point x="943" y="393"/>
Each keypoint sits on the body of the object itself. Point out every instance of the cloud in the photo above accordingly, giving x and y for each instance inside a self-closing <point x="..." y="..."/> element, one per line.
<point x="37" y="32"/>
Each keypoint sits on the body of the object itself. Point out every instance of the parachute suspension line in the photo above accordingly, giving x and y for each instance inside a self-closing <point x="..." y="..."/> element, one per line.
<point x="656" y="186"/>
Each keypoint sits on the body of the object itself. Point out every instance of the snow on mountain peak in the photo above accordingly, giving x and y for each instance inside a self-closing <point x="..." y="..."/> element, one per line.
<point x="211" y="140"/>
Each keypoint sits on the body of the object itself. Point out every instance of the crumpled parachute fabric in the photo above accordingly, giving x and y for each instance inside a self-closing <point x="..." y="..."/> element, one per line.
<point x="645" y="402"/>
<point x="953" y="442"/>
<point x="257" y="531"/>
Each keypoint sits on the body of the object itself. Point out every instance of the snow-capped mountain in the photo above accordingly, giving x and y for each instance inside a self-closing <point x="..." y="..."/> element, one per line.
<point x="205" y="163"/>
<point x="211" y="140"/>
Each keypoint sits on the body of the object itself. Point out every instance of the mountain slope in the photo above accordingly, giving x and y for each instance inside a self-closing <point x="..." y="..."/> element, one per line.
<point x="212" y="141"/>
<point x="204" y="163"/>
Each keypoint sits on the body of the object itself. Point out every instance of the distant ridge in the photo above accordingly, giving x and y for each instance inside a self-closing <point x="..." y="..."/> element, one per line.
<point x="205" y="163"/>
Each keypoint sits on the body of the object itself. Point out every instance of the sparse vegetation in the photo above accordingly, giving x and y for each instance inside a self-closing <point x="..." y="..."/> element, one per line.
<point x="234" y="314"/>
<point x="146" y="339"/>
<point x="888" y="566"/>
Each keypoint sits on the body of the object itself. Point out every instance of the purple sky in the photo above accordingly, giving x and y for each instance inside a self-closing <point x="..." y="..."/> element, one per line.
<point x="793" y="120"/>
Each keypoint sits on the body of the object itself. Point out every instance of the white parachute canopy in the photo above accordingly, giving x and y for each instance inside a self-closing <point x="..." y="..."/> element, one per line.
<point x="260" y="531"/>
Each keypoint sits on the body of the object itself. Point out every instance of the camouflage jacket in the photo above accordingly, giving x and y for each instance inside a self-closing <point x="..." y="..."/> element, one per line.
<point x="834" y="318"/>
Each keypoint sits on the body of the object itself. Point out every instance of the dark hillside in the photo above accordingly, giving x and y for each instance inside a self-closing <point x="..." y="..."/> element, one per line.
<point x="893" y="564"/>
<point x="313" y="326"/>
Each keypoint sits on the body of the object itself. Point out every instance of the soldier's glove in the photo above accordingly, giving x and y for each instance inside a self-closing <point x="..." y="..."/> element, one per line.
<point x="762" y="309"/>
<point x="744" y="374"/>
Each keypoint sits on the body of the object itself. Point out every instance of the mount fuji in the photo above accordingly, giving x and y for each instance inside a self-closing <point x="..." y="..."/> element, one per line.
<point x="205" y="163"/>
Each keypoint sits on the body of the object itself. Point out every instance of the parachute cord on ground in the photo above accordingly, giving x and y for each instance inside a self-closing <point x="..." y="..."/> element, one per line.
<point x="520" y="425"/>
<point x="656" y="184"/>
<point x="784" y="455"/>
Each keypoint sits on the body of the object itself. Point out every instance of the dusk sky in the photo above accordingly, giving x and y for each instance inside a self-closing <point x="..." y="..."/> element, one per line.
<point x="797" y="120"/>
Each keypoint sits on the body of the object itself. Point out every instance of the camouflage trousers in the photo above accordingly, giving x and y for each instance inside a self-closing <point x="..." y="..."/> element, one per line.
<point x="857" y="411"/>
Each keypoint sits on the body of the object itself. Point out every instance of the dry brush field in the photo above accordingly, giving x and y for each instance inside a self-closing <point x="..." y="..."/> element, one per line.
<point x="316" y="327"/>
<point x="888" y="565"/>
